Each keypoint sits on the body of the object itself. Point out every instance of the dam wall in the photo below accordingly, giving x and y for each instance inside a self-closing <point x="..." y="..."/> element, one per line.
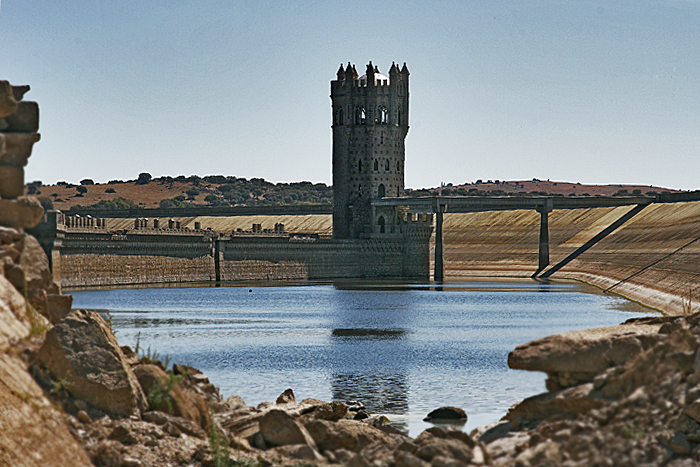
<point x="86" y="253"/>
<point x="654" y="258"/>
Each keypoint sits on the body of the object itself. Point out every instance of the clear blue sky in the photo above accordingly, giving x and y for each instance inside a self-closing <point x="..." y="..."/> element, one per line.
<point x="582" y="91"/>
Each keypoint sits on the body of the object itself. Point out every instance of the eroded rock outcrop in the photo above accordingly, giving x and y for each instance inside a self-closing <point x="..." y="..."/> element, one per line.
<point x="643" y="410"/>
<point x="32" y="431"/>
<point x="576" y="357"/>
<point x="82" y="351"/>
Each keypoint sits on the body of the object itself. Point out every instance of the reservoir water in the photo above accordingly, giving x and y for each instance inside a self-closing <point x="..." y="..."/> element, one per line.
<point x="403" y="349"/>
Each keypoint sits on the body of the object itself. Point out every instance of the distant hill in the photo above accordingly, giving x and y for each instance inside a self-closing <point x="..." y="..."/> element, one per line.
<point x="537" y="187"/>
<point x="220" y="190"/>
<point x="173" y="192"/>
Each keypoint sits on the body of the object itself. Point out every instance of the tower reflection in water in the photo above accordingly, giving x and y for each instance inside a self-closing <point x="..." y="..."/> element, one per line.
<point x="381" y="393"/>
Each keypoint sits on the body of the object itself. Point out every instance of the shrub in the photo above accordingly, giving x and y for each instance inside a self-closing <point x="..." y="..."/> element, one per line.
<point x="87" y="181"/>
<point x="81" y="189"/>
<point x="110" y="190"/>
<point x="144" y="178"/>
<point x="46" y="203"/>
<point x="114" y="204"/>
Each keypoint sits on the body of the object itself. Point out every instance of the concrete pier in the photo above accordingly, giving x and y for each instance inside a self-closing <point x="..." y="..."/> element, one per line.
<point x="439" y="210"/>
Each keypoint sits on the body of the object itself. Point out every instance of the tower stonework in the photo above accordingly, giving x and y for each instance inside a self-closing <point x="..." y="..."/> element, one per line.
<point x="370" y="123"/>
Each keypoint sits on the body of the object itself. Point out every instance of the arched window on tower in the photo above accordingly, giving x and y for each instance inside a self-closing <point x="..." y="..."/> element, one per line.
<point x="381" y="191"/>
<point x="398" y="117"/>
<point x="386" y="165"/>
<point x="376" y="165"/>
<point x="381" y="222"/>
<point x="359" y="165"/>
<point x="339" y="116"/>
<point x="398" y="166"/>
<point x="382" y="116"/>
<point x="360" y="116"/>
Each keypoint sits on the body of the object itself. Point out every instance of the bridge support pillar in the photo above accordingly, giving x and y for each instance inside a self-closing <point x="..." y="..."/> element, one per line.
<point x="439" y="274"/>
<point x="544" y="211"/>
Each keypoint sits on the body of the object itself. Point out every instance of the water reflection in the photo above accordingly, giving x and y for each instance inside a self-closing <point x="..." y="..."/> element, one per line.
<point x="369" y="333"/>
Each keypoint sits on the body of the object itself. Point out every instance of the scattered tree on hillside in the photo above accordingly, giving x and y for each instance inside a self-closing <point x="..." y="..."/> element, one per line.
<point x="144" y="178"/>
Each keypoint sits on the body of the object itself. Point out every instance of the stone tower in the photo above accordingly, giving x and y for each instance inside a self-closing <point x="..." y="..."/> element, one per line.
<point x="370" y="123"/>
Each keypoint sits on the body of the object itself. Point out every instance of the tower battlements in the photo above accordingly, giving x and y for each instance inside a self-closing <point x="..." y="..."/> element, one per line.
<point x="370" y="124"/>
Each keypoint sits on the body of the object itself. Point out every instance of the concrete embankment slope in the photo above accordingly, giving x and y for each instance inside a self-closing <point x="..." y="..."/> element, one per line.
<point x="654" y="258"/>
<point x="321" y="224"/>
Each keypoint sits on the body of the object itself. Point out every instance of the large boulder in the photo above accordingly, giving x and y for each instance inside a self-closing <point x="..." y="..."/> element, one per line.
<point x="164" y="390"/>
<point x="24" y="212"/>
<point x="442" y="446"/>
<point x="81" y="351"/>
<point x="280" y="429"/>
<point x="576" y="357"/>
<point x="347" y="434"/>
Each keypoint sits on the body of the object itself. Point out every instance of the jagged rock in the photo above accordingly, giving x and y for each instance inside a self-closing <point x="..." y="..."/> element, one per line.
<point x="25" y="119"/>
<point x="11" y="181"/>
<point x="547" y="453"/>
<point x="18" y="92"/>
<point x="183" y="402"/>
<point x="333" y="411"/>
<point x="583" y="354"/>
<point x="107" y="454"/>
<point x="406" y="459"/>
<point x="446" y="414"/>
<point x="130" y="356"/>
<point x="443" y="443"/>
<point x="18" y="149"/>
<point x="286" y="397"/>
<point x="8" y="104"/>
<point x="14" y="322"/>
<point x="82" y="351"/>
<point x="123" y="435"/>
<point x="84" y="417"/>
<point x="35" y="265"/>
<point x="299" y="451"/>
<point x="347" y="434"/>
<point x="10" y="236"/>
<point x="279" y="429"/>
<point x="24" y="212"/>
<point x="491" y="432"/>
<point x="575" y="400"/>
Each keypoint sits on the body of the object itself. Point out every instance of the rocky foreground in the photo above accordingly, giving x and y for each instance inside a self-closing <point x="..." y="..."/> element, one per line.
<point x="623" y="395"/>
<point x="71" y="396"/>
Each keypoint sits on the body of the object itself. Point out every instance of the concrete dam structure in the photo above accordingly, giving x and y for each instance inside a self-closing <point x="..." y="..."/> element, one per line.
<point x="83" y="255"/>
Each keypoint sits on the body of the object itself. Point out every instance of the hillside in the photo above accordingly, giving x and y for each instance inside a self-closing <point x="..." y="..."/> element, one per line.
<point x="212" y="190"/>
<point x="219" y="190"/>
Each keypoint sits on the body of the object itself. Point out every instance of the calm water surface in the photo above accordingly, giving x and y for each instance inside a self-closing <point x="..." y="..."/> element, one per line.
<point x="402" y="349"/>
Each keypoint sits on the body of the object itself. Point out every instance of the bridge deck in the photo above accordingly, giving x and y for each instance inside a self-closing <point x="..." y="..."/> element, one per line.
<point x="506" y="203"/>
